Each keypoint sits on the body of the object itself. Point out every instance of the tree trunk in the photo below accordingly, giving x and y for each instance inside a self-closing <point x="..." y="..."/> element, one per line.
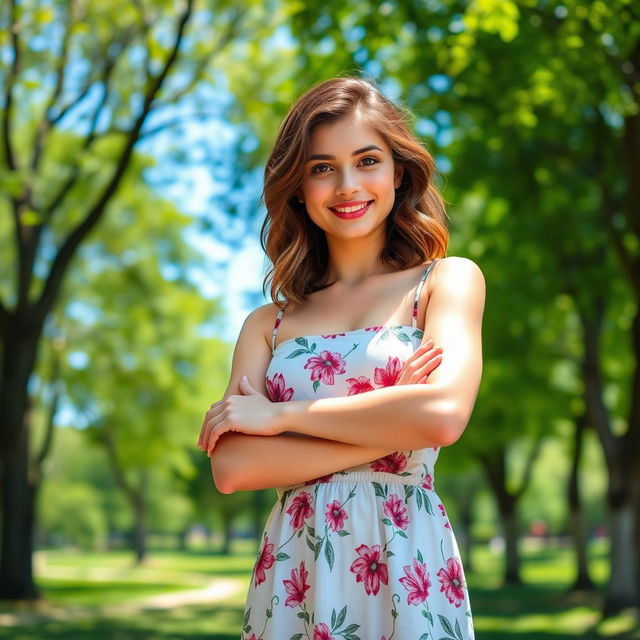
<point x="621" y="586"/>
<point x="140" y="529"/>
<point x="577" y="522"/>
<point x="509" y="519"/>
<point x="18" y="498"/>
<point x="18" y="485"/>
<point x="494" y="464"/>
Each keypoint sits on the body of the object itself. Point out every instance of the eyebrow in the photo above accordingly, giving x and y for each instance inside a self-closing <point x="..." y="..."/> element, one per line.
<point x="326" y="156"/>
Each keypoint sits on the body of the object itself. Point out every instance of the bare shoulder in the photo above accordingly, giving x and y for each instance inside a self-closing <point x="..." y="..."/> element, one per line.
<point x="263" y="318"/>
<point x="457" y="292"/>
<point x="458" y="271"/>
<point x="252" y="352"/>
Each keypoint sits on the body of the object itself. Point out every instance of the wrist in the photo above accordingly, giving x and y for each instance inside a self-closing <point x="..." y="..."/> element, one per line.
<point x="287" y="415"/>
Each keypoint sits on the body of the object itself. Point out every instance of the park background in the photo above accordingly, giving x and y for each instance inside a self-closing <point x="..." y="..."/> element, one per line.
<point x="133" y="136"/>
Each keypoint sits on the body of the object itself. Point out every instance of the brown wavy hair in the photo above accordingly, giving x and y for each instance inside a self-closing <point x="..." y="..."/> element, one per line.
<point x="296" y="246"/>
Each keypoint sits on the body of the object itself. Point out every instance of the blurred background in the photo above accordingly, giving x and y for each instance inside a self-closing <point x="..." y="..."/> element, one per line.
<point x="133" y="136"/>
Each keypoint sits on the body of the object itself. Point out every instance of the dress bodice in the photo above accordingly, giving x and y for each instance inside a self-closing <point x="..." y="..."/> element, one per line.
<point x="348" y="363"/>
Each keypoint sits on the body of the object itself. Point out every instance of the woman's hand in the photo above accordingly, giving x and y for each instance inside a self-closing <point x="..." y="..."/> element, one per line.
<point x="250" y="413"/>
<point x="420" y="364"/>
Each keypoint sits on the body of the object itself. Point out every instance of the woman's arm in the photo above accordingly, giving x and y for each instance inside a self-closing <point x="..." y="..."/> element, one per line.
<point x="247" y="462"/>
<point x="413" y="416"/>
<point x="278" y="461"/>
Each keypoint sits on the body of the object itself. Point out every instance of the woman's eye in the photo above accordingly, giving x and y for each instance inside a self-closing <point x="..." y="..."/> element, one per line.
<point x="317" y="168"/>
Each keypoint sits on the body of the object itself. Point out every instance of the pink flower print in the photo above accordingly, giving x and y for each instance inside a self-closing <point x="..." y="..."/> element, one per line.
<point x="444" y="514"/>
<point x="393" y="463"/>
<point x="325" y="366"/>
<point x="388" y="376"/>
<point x="396" y="510"/>
<point x="417" y="583"/>
<point x="335" y="516"/>
<point x="296" y="587"/>
<point x="265" y="561"/>
<point x="300" y="509"/>
<point x="359" y="385"/>
<point x="452" y="581"/>
<point x="322" y="632"/>
<point x="276" y="389"/>
<point x="320" y="479"/>
<point x="332" y="335"/>
<point x="427" y="481"/>
<point x="368" y="567"/>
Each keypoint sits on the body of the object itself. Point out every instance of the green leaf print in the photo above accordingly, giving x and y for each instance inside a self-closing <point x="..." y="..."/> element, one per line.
<point x="316" y="384"/>
<point x="458" y="632"/>
<point x="380" y="492"/>
<point x="311" y="531"/>
<point x="343" y="533"/>
<point x="387" y="521"/>
<point x="420" y="559"/>
<point x="341" y="616"/>
<point x="329" y="554"/>
<point x="318" y="548"/>
<point x="446" y="625"/>
<point x="419" y="499"/>
<point x="296" y="353"/>
<point x="303" y="342"/>
<point x="311" y="544"/>
<point x="282" y="556"/>
<point x="296" y="636"/>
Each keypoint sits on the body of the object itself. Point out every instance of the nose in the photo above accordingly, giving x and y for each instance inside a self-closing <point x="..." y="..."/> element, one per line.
<point x="347" y="184"/>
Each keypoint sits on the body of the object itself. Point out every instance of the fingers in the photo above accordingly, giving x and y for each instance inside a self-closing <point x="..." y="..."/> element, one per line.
<point x="212" y="412"/>
<point x="420" y="364"/>
<point x="422" y="372"/>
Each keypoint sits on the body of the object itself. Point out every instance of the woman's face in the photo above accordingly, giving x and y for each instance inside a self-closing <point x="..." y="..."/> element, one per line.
<point x="349" y="179"/>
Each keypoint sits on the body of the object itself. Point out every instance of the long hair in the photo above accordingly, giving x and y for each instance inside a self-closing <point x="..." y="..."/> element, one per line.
<point x="296" y="246"/>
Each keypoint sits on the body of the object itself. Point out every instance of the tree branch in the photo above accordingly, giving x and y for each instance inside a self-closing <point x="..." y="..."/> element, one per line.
<point x="75" y="237"/>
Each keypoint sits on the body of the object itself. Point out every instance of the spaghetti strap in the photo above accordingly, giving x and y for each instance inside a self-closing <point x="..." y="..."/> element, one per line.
<point x="425" y="273"/>
<point x="275" y="328"/>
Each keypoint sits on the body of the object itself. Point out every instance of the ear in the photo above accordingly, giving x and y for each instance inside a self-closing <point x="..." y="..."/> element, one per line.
<point x="398" y="174"/>
<point x="299" y="196"/>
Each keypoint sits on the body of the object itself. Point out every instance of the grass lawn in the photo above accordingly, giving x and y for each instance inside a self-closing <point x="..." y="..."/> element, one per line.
<point x="102" y="596"/>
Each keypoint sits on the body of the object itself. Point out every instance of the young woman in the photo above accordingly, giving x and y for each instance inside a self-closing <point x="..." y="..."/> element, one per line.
<point x="347" y="385"/>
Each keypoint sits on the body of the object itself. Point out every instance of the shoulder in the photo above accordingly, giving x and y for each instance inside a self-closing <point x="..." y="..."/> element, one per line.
<point x="460" y="278"/>
<point x="458" y="267"/>
<point x="261" y="321"/>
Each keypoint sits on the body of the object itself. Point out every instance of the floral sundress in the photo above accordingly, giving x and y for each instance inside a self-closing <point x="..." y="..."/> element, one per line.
<point x="366" y="553"/>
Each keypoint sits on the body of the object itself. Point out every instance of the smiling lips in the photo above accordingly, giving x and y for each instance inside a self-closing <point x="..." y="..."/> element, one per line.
<point x="349" y="210"/>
